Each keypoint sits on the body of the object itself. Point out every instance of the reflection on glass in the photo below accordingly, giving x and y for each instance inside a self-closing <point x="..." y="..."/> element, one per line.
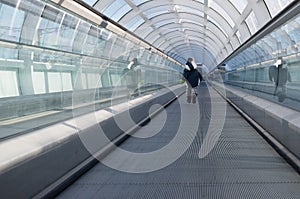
<point x="11" y="21"/>
<point x="270" y="67"/>
<point x="65" y="55"/>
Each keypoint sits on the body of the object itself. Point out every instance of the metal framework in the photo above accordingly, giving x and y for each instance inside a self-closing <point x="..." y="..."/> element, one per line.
<point x="216" y="26"/>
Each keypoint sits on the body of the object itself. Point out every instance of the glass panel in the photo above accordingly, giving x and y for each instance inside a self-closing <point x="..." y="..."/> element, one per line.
<point x="84" y="80"/>
<point x="90" y="2"/>
<point x="252" y="23"/>
<point x="65" y="51"/>
<point x="66" y="81"/>
<point x="67" y="33"/>
<point x="8" y="84"/>
<point x="119" y="48"/>
<point x="270" y="67"/>
<point x="54" y="82"/>
<point x="11" y="20"/>
<point x="93" y="80"/>
<point x="187" y="9"/>
<point x="134" y="23"/>
<point x="81" y="36"/>
<point x="116" y="10"/>
<point x="39" y="82"/>
<point x="239" y="4"/>
<point x="166" y="21"/>
<point x="239" y="36"/>
<point x="145" y="31"/>
<point x="217" y="24"/>
<point x="139" y="2"/>
<point x="94" y="43"/>
<point x="156" y="11"/>
<point x="8" y="53"/>
<point x="153" y="38"/>
<point x="222" y="12"/>
<point x="275" y="6"/>
<point x="47" y="32"/>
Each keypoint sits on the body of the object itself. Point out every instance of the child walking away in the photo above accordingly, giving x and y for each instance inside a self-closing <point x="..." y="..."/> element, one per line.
<point x="192" y="77"/>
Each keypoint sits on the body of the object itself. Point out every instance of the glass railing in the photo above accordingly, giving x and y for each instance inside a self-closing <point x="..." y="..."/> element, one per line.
<point x="270" y="68"/>
<point x="53" y="62"/>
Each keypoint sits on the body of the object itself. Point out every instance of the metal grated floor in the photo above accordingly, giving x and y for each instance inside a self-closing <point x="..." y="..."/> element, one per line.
<point x="241" y="165"/>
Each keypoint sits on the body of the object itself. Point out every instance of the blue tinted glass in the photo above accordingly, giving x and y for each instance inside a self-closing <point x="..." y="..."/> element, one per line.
<point x="90" y="2"/>
<point x="138" y="2"/>
<point x="134" y="23"/>
<point x="11" y="20"/>
<point x="116" y="10"/>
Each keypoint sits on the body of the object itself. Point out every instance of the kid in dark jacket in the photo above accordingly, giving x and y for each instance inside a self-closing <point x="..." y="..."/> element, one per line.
<point x="192" y="77"/>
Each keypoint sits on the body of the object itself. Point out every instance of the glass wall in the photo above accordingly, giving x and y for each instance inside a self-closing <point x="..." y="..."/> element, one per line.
<point x="47" y="54"/>
<point x="270" y="68"/>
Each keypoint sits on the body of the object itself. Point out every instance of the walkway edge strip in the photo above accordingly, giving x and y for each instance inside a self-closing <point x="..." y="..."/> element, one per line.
<point x="279" y="148"/>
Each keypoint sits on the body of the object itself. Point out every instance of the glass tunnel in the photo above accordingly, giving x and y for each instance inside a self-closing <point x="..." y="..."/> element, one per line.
<point x="49" y="51"/>
<point x="63" y="62"/>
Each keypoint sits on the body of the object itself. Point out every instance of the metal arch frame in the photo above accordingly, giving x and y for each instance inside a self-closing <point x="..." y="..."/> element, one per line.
<point x="115" y="11"/>
<point x="288" y="12"/>
<point x="217" y="14"/>
<point x="226" y="37"/>
<point x="183" y="47"/>
<point x="127" y="16"/>
<point x="212" y="33"/>
<point x="161" y="15"/>
<point x="175" y="24"/>
<point x="223" y="20"/>
<point x="102" y="3"/>
<point x="197" y="42"/>
<point x="239" y="21"/>
<point x="198" y="57"/>
<point x="224" y="28"/>
<point x="168" y="3"/>
<point x="210" y="48"/>
<point x="195" y="31"/>
<point x="163" y="20"/>
<point x="210" y="41"/>
<point x="178" y="39"/>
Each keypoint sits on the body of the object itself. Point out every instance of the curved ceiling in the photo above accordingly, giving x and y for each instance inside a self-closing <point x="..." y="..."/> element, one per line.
<point x="208" y="30"/>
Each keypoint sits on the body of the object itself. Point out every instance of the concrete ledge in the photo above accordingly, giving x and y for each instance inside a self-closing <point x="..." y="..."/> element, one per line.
<point x="32" y="162"/>
<point x="282" y="123"/>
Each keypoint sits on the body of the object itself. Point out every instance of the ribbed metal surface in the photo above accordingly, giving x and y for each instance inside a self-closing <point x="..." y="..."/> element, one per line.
<point x="241" y="165"/>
